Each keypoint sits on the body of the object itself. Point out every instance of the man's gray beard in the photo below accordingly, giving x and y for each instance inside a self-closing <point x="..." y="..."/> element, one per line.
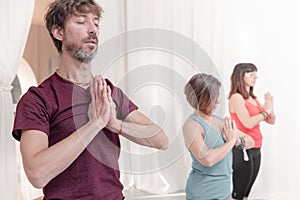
<point x="85" y="57"/>
<point x="80" y="54"/>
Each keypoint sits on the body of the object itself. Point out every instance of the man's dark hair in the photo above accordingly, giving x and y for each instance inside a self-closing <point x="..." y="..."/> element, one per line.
<point x="60" y="10"/>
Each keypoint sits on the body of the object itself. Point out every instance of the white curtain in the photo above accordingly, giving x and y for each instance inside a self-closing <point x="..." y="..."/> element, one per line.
<point x="149" y="49"/>
<point x="133" y="52"/>
<point x="26" y="190"/>
<point x="15" y="19"/>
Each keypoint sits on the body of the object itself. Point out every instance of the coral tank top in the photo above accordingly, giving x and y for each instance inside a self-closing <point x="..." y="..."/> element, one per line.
<point x="253" y="132"/>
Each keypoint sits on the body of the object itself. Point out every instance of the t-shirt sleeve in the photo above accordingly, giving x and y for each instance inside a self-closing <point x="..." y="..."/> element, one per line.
<point x="31" y="114"/>
<point x="124" y="105"/>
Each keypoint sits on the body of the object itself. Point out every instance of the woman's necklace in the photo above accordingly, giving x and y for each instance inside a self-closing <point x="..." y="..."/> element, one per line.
<point x="74" y="82"/>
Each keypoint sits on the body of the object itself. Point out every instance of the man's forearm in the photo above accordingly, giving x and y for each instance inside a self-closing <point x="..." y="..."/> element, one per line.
<point x="148" y="135"/>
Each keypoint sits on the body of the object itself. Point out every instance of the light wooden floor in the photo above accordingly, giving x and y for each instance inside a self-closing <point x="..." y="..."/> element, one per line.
<point x="133" y="194"/>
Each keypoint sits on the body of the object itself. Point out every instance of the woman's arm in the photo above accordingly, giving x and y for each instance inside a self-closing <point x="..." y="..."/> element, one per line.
<point x="237" y="105"/>
<point x="271" y="118"/>
<point x="193" y="136"/>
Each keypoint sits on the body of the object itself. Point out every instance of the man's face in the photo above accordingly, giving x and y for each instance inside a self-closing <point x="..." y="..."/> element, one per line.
<point x="81" y="36"/>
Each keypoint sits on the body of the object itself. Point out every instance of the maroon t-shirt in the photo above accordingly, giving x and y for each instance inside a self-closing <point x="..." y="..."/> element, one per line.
<point x="58" y="107"/>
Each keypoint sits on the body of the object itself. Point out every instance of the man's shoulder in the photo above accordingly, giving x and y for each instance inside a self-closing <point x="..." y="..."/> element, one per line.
<point x="48" y="80"/>
<point x="42" y="89"/>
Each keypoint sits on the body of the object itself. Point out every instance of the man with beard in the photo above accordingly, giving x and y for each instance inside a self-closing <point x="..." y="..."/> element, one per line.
<point x="69" y="126"/>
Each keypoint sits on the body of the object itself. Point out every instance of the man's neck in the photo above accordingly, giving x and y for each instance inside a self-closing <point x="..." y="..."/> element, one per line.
<point x="74" y="71"/>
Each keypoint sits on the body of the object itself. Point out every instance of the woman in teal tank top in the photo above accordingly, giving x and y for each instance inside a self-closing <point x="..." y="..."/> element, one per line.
<point x="209" y="140"/>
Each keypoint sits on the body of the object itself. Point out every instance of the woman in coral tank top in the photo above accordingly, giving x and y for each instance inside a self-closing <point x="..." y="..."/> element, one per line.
<point x="247" y="112"/>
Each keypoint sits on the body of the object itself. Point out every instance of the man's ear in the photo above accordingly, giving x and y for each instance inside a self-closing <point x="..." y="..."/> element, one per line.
<point x="58" y="32"/>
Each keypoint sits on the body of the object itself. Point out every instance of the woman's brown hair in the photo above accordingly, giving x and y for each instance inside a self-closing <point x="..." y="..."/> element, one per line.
<point x="202" y="92"/>
<point x="237" y="80"/>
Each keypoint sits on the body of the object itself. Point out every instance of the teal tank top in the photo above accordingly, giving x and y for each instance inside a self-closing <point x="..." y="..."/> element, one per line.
<point x="206" y="183"/>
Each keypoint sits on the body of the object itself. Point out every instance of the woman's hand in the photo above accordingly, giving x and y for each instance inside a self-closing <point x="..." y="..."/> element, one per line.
<point x="269" y="103"/>
<point x="229" y="130"/>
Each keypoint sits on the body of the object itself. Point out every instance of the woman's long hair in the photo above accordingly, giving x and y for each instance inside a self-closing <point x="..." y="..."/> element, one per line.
<point x="237" y="80"/>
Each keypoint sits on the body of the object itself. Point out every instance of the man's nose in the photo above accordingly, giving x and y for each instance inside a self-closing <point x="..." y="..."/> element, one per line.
<point x="92" y="28"/>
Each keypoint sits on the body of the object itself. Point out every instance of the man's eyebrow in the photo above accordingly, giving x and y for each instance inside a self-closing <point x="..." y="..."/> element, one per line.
<point x="80" y="15"/>
<point x="84" y="14"/>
